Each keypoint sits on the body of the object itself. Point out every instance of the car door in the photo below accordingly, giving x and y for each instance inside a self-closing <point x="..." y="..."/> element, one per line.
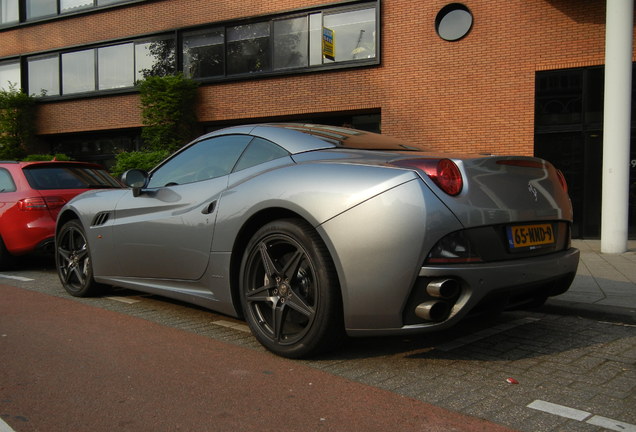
<point x="166" y="232"/>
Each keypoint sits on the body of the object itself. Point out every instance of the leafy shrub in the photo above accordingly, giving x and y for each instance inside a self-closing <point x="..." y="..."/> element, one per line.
<point x="17" y="120"/>
<point x="145" y="160"/>
<point x="46" y="157"/>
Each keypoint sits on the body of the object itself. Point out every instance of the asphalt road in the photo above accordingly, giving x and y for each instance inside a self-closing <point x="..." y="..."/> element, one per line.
<point x="128" y="361"/>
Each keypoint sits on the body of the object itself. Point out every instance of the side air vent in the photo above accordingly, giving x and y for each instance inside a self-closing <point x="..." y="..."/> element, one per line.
<point x="100" y="218"/>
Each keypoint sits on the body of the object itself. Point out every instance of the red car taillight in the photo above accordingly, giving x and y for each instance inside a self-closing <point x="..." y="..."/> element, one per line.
<point x="564" y="184"/>
<point x="41" y="203"/>
<point x="444" y="172"/>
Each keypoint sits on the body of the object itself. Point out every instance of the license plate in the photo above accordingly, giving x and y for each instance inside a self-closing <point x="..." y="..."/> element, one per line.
<point x="531" y="236"/>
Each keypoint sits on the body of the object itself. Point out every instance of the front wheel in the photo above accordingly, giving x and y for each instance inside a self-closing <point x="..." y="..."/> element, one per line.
<point x="73" y="261"/>
<point x="289" y="290"/>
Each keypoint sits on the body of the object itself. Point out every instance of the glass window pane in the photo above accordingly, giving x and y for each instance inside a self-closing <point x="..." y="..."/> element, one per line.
<point x="44" y="76"/>
<point x="156" y="58"/>
<point x="202" y="161"/>
<point x="10" y="75"/>
<point x="203" y="54"/>
<point x="78" y="72"/>
<point x="75" y="5"/>
<point x="258" y="152"/>
<point x="116" y="66"/>
<point x="354" y="34"/>
<point x="8" y="11"/>
<point x="315" y="39"/>
<point x="291" y="43"/>
<point x="107" y="2"/>
<point x="40" y="8"/>
<point x="248" y="48"/>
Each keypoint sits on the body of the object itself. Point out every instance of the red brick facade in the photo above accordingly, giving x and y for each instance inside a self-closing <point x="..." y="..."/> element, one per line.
<point x="475" y="94"/>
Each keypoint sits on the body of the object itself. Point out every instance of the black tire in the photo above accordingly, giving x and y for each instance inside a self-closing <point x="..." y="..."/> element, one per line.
<point x="289" y="290"/>
<point x="73" y="261"/>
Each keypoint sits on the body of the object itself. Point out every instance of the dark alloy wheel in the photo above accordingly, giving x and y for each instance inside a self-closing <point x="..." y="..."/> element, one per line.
<point x="73" y="261"/>
<point x="289" y="290"/>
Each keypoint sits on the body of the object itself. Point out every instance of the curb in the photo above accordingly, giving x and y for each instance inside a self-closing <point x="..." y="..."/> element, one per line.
<point x="614" y="314"/>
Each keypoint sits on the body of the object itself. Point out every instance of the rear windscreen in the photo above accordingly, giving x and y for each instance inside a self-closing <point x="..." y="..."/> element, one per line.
<point x="68" y="177"/>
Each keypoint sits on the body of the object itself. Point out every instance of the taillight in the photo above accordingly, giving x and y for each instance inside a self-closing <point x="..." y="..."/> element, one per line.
<point x="41" y="203"/>
<point x="564" y="183"/>
<point x="444" y="172"/>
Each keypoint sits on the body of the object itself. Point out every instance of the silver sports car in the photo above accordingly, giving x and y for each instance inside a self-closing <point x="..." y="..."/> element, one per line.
<point x="312" y="233"/>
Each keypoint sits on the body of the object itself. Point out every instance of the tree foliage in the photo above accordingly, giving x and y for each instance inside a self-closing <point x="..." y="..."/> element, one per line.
<point x="17" y="123"/>
<point x="168" y="111"/>
<point x="145" y="160"/>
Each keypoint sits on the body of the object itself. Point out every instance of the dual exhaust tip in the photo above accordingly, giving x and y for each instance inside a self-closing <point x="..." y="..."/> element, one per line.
<point x="444" y="293"/>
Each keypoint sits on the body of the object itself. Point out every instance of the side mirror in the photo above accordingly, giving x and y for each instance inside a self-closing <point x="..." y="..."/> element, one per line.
<point x="135" y="179"/>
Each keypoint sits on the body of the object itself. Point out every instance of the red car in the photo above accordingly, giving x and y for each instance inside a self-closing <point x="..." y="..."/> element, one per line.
<point x="32" y="194"/>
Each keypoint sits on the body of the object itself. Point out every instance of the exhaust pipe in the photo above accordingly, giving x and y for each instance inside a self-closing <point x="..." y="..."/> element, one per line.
<point x="443" y="288"/>
<point x="435" y="310"/>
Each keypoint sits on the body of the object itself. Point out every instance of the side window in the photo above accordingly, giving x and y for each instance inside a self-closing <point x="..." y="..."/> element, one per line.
<point x="6" y="181"/>
<point x="204" y="160"/>
<point x="258" y="152"/>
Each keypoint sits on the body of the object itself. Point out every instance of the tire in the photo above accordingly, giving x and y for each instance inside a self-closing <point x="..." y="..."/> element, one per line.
<point x="290" y="295"/>
<point x="73" y="261"/>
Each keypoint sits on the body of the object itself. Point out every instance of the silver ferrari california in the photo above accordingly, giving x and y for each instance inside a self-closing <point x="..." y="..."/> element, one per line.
<point x="311" y="233"/>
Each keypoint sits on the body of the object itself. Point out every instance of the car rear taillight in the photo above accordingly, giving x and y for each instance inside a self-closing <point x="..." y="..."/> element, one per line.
<point x="444" y="172"/>
<point x="41" y="203"/>
<point x="564" y="183"/>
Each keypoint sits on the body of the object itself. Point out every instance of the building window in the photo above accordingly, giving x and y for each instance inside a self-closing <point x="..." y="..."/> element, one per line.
<point x="44" y="75"/>
<point x="10" y="75"/>
<point x="291" y="47"/>
<point x="78" y="72"/>
<point x="9" y="12"/>
<point x="40" y="8"/>
<point x="453" y="22"/>
<point x="154" y="58"/>
<point x="74" y="5"/>
<point x="204" y="53"/>
<point x="116" y="67"/>
<point x="248" y="48"/>
<point x="354" y="34"/>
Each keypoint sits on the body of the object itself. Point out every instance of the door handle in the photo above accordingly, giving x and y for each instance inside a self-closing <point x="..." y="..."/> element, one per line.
<point x="209" y="208"/>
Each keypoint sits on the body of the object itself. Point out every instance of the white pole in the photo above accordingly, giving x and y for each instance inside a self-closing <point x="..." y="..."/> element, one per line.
<point x="617" y="125"/>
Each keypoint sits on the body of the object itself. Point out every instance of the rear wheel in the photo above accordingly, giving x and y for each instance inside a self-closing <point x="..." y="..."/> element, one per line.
<point x="289" y="290"/>
<point x="73" y="261"/>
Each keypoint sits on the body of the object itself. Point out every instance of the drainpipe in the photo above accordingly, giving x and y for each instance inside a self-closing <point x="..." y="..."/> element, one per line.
<point x="617" y="125"/>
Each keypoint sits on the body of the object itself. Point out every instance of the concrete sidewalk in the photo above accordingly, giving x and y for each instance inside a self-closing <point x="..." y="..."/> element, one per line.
<point x="605" y="284"/>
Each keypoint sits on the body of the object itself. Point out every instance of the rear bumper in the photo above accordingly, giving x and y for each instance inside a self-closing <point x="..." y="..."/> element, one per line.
<point x="506" y="283"/>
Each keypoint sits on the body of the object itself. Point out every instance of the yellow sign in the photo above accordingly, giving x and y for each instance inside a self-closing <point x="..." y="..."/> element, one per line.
<point x="328" y="44"/>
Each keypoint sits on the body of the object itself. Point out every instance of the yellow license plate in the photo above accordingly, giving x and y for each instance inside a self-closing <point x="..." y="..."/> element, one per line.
<point x="530" y="236"/>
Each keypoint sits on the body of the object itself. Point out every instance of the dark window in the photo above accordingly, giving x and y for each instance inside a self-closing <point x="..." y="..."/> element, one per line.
<point x="248" y="48"/>
<point x="204" y="53"/>
<point x="204" y="160"/>
<point x="6" y="181"/>
<point x="40" y="8"/>
<point x="46" y="177"/>
<point x="258" y="152"/>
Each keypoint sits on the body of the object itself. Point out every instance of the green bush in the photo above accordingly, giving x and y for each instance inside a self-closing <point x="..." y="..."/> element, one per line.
<point x="168" y="111"/>
<point x="17" y="120"/>
<point x="46" y="157"/>
<point x="145" y="160"/>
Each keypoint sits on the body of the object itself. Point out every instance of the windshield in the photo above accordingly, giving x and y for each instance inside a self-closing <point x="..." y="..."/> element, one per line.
<point x="46" y="177"/>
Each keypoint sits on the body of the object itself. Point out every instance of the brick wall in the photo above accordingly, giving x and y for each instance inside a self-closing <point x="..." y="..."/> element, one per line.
<point x="476" y="94"/>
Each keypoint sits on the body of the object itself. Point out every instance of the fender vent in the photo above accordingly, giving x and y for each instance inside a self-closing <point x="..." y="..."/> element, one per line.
<point x="100" y="218"/>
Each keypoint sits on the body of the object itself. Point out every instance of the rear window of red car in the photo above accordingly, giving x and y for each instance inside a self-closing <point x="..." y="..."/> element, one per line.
<point x="68" y="177"/>
<point x="6" y="181"/>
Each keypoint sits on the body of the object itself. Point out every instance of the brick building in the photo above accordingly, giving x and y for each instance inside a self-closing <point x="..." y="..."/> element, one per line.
<point x="502" y="76"/>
